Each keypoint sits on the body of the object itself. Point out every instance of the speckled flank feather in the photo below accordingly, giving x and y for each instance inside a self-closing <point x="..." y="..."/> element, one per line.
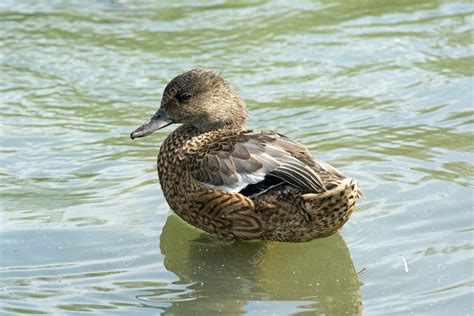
<point x="242" y="184"/>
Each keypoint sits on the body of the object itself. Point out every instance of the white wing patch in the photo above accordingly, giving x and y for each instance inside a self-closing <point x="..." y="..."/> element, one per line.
<point x="244" y="180"/>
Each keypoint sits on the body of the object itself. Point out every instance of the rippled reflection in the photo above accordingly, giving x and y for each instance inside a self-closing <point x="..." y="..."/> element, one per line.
<point x="311" y="277"/>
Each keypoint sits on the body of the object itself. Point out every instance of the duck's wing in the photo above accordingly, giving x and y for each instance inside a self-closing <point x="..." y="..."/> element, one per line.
<point x="331" y="177"/>
<point x="232" y="163"/>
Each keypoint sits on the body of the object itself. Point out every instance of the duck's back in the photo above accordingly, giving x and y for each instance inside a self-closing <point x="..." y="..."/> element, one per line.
<point x="251" y="161"/>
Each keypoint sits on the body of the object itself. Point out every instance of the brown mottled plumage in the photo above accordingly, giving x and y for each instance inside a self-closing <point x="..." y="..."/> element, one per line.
<point x="242" y="184"/>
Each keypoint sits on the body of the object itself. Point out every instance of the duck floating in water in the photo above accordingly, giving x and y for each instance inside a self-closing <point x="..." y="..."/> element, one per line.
<point x="237" y="183"/>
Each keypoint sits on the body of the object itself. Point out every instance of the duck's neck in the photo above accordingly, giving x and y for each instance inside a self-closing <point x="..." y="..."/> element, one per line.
<point x="187" y="138"/>
<point x="181" y="135"/>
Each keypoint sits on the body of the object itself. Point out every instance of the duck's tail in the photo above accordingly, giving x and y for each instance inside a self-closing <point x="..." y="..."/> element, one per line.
<point x="331" y="209"/>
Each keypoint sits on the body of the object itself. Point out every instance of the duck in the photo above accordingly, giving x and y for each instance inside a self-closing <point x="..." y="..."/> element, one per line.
<point x="241" y="184"/>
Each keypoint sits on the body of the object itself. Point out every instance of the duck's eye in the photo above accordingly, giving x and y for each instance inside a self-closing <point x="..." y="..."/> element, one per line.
<point x="184" y="97"/>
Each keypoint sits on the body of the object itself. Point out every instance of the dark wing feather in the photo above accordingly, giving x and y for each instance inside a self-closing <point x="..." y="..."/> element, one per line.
<point x="232" y="162"/>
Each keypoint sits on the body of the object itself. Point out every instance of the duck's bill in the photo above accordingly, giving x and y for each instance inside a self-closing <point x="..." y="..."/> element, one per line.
<point x="158" y="121"/>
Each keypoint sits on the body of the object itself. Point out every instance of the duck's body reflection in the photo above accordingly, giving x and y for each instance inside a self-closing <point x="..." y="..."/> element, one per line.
<point x="275" y="278"/>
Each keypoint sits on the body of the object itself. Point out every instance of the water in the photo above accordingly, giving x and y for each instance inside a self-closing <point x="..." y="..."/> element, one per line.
<point x="384" y="91"/>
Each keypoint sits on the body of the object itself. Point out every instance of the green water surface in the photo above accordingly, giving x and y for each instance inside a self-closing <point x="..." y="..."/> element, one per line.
<point x="381" y="89"/>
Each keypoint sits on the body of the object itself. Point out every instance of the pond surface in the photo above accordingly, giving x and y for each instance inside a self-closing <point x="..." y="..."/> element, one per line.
<point x="383" y="91"/>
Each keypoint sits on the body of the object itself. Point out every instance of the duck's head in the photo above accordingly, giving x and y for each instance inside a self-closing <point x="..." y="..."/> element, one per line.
<point x="201" y="98"/>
